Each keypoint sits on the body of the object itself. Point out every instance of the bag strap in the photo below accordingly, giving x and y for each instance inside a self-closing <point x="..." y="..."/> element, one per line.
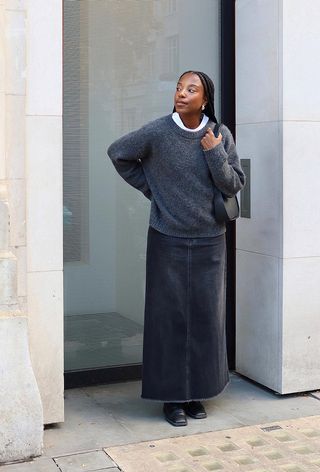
<point x="215" y="129"/>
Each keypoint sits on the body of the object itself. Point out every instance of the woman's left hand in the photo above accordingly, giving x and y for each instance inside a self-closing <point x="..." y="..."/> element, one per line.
<point x="209" y="141"/>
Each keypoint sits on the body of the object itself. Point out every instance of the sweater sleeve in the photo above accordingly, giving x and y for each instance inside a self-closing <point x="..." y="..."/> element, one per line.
<point x="126" y="154"/>
<point x="224" y="165"/>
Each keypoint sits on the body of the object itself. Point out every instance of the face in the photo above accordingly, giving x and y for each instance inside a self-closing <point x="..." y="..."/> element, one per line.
<point x="189" y="96"/>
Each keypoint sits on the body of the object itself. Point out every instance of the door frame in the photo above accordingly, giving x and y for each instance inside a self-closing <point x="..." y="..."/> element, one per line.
<point x="228" y="117"/>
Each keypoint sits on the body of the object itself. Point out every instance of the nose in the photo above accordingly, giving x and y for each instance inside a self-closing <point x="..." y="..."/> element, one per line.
<point x="182" y="93"/>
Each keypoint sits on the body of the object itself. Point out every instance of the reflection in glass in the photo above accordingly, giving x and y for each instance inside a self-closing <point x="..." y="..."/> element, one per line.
<point x="121" y="63"/>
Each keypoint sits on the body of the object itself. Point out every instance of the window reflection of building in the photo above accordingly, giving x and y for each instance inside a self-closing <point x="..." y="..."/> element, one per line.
<point x="76" y="133"/>
<point x="131" y="55"/>
<point x="151" y="59"/>
<point x="129" y="119"/>
<point x="172" y="50"/>
<point x="171" y="7"/>
<point x="123" y="60"/>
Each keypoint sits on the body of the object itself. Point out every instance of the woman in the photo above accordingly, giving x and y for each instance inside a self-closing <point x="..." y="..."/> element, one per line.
<point x="177" y="162"/>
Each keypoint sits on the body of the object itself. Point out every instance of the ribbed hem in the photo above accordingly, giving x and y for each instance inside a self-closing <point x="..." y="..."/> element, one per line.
<point x="218" y="231"/>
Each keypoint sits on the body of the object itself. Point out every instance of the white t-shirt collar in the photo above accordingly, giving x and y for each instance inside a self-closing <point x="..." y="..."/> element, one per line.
<point x="177" y="119"/>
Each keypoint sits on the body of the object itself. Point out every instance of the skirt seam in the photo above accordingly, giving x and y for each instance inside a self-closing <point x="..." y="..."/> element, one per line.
<point x="183" y="315"/>
<point x="188" y="327"/>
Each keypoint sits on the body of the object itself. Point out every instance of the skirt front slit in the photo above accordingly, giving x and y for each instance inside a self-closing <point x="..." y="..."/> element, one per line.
<point x="184" y="340"/>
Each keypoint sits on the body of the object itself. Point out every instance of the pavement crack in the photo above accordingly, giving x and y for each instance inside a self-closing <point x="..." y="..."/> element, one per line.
<point x="314" y="396"/>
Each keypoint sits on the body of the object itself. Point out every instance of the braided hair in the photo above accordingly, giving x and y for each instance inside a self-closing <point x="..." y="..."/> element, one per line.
<point x="208" y="86"/>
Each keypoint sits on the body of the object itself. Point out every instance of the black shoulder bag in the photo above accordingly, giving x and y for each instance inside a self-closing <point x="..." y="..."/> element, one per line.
<point x="225" y="208"/>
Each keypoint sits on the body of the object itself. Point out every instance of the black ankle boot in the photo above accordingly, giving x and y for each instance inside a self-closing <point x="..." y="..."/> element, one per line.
<point x="195" y="409"/>
<point x="175" y="414"/>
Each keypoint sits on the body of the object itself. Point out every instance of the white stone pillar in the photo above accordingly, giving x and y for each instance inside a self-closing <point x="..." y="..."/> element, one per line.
<point x="21" y="418"/>
<point x="278" y="251"/>
<point x="44" y="209"/>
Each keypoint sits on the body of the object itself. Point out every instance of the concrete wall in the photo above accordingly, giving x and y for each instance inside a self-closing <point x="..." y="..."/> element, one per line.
<point x="278" y="263"/>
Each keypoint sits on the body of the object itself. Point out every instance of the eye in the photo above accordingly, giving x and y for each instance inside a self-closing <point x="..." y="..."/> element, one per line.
<point x="192" y="90"/>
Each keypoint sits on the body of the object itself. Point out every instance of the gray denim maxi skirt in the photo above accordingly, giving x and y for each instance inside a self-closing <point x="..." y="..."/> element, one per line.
<point x="184" y="340"/>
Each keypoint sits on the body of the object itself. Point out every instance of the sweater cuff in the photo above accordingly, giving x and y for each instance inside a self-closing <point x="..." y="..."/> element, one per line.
<point x="217" y="154"/>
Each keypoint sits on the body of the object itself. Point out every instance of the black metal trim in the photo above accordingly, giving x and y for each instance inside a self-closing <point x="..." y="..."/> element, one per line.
<point x="228" y="117"/>
<point x="100" y="376"/>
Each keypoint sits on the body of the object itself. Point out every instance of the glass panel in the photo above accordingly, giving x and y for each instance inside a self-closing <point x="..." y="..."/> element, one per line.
<point x="121" y="63"/>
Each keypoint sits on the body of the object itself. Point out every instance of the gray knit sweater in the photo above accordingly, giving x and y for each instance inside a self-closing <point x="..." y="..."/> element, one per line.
<point x="169" y="166"/>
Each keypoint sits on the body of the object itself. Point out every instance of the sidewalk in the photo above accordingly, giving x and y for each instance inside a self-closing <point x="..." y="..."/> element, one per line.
<point x="110" y="426"/>
<point x="287" y="446"/>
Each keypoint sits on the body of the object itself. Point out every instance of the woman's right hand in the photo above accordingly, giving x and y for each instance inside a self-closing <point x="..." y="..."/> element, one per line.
<point x="209" y="141"/>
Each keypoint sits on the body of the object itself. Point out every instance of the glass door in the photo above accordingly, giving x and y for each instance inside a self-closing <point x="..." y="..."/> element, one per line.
<point x="121" y="63"/>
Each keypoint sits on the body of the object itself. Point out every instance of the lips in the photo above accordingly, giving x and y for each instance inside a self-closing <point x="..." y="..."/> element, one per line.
<point x="181" y="103"/>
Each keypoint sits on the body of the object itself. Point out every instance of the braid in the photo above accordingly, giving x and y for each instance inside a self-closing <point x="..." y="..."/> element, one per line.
<point x="208" y="86"/>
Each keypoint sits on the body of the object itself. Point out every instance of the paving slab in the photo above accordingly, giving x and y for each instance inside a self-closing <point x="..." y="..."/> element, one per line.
<point x="284" y="446"/>
<point x="252" y="403"/>
<point x="87" y="426"/>
<point x="87" y="462"/>
<point x="39" y="464"/>
<point x="115" y="414"/>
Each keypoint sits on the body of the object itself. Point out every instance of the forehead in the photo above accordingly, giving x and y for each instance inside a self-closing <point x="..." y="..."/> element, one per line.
<point x="191" y="78"/>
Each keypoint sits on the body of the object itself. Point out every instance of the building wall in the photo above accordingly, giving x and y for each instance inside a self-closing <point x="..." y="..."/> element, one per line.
<point x="278" y="264"/>
<point x="20" y="407"/>
<point x="278" y="258"/>
<point x="259" y="138"/>
<point x="44" y="207"/>
<point x="31" y="188"/>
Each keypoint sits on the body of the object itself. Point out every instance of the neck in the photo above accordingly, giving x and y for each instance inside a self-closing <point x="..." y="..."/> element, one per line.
<point x="191" y="121"/>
